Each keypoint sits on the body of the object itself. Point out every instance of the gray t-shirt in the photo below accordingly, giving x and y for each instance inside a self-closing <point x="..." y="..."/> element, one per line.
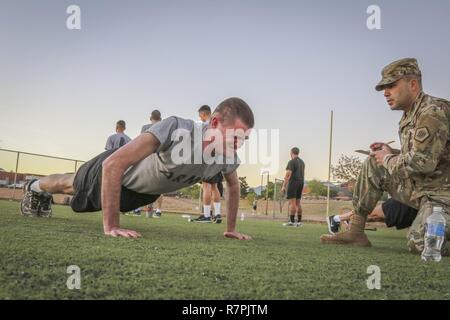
<point x="117" y="140"/>
<point x="145" y="127"/>
<point x="159" y="173"/>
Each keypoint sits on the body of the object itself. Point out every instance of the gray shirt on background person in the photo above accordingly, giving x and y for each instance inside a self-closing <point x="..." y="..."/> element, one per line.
<point x="117" y="140"/>
<point x="155" y="117"/>
<point x="145" y="127"/>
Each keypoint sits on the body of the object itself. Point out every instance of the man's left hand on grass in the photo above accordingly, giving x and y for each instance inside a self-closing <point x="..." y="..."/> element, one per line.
<point x="236" y="235"/>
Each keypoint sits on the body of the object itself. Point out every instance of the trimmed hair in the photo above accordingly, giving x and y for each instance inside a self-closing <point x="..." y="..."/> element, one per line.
<point x="121" y="124"/>
<point x="156" y="115"/>
<point x="410" y="77"/>
<point x="295" y="151"/>
<point x="233" y="108"/>
<point x="205" y="108"/>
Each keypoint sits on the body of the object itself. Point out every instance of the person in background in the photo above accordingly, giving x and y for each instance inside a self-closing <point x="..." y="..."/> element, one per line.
<point x="155" y="117"/>
<point x="210" y="187"/>
<point x="293" y="184"/>
<point x="119" y="139"/>
<point x="392" y="212"/>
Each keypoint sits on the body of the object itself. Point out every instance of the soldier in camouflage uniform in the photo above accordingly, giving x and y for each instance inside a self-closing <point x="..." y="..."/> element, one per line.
<point x="419" y="176"/>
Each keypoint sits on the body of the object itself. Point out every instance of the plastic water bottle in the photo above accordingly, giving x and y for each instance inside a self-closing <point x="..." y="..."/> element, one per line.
<point x="434" y="236"/>
<point x="242" y="216"/>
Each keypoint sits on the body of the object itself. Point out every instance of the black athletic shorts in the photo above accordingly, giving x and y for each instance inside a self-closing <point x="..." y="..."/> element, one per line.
<point x="294" y="189"/>
<point x="88" y="187"/>
<point x="397" y="214"/>
<point x="218" y="178"/>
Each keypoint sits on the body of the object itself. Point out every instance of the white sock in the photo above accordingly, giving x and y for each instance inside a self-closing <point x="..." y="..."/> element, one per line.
<point x="158" y="210"/>
<point x="217" y="208"/>
<point x="207" y="211"/>
<point x="337" y="218"/>
<point x="36" y="187"/>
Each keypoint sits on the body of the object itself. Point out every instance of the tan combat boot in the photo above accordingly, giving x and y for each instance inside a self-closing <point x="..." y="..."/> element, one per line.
<point x="354" y="236"/>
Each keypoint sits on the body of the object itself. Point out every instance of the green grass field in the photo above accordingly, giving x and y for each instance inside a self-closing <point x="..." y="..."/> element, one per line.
<point x="180" y="260"/>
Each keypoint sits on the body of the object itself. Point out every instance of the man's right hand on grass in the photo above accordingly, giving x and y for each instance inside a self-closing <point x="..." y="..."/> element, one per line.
<point x="113" y="169"/>
<point x="126" y="233"/>
<point x="236" y="235"/>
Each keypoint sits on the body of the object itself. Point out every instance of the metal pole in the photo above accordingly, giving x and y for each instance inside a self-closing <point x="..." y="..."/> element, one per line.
<point x="262" y="177"/>
<point x="76" y="166"/>
<point x="288" y="210"/>
<point x="200" y="199"/>
<point x="274" y="194"/>
<point x="329" y="171"/>
<point x="267" y="194"/>
<point x="39" y="155"/>
<point x="15" y="175"/>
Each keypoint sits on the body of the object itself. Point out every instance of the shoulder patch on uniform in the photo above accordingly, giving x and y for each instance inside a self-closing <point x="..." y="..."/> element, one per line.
<point x="421" y="134"/>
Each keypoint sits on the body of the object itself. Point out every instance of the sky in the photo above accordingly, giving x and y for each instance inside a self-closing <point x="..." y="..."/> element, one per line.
<point x="61" y="90"/>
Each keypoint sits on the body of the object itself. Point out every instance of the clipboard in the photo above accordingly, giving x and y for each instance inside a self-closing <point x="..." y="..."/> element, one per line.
<point x="367" y="152"/>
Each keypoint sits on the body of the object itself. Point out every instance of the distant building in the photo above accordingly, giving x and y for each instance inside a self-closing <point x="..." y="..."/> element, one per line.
<point x="348" y="185"/>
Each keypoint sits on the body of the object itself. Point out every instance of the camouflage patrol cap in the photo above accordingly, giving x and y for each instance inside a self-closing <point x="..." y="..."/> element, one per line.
<point x="397" y="70"/>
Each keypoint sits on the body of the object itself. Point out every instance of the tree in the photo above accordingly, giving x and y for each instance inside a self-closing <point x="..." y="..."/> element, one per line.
<point x="251" y="196"/>
<point x="317" y="188"/>
<point x="244" y="186"/>
<point x="271" y="190"/>
<point x="347" y="169"/>
<point x="191" y="192"/>
<point x="333" y="193"/>
<point x="264" y="192"/>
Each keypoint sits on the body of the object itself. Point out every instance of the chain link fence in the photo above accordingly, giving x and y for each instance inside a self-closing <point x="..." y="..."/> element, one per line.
<point x="18" y="167"/>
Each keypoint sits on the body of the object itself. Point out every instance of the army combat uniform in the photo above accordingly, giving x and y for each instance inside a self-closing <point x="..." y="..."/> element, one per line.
<point x="419" y="175"/>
